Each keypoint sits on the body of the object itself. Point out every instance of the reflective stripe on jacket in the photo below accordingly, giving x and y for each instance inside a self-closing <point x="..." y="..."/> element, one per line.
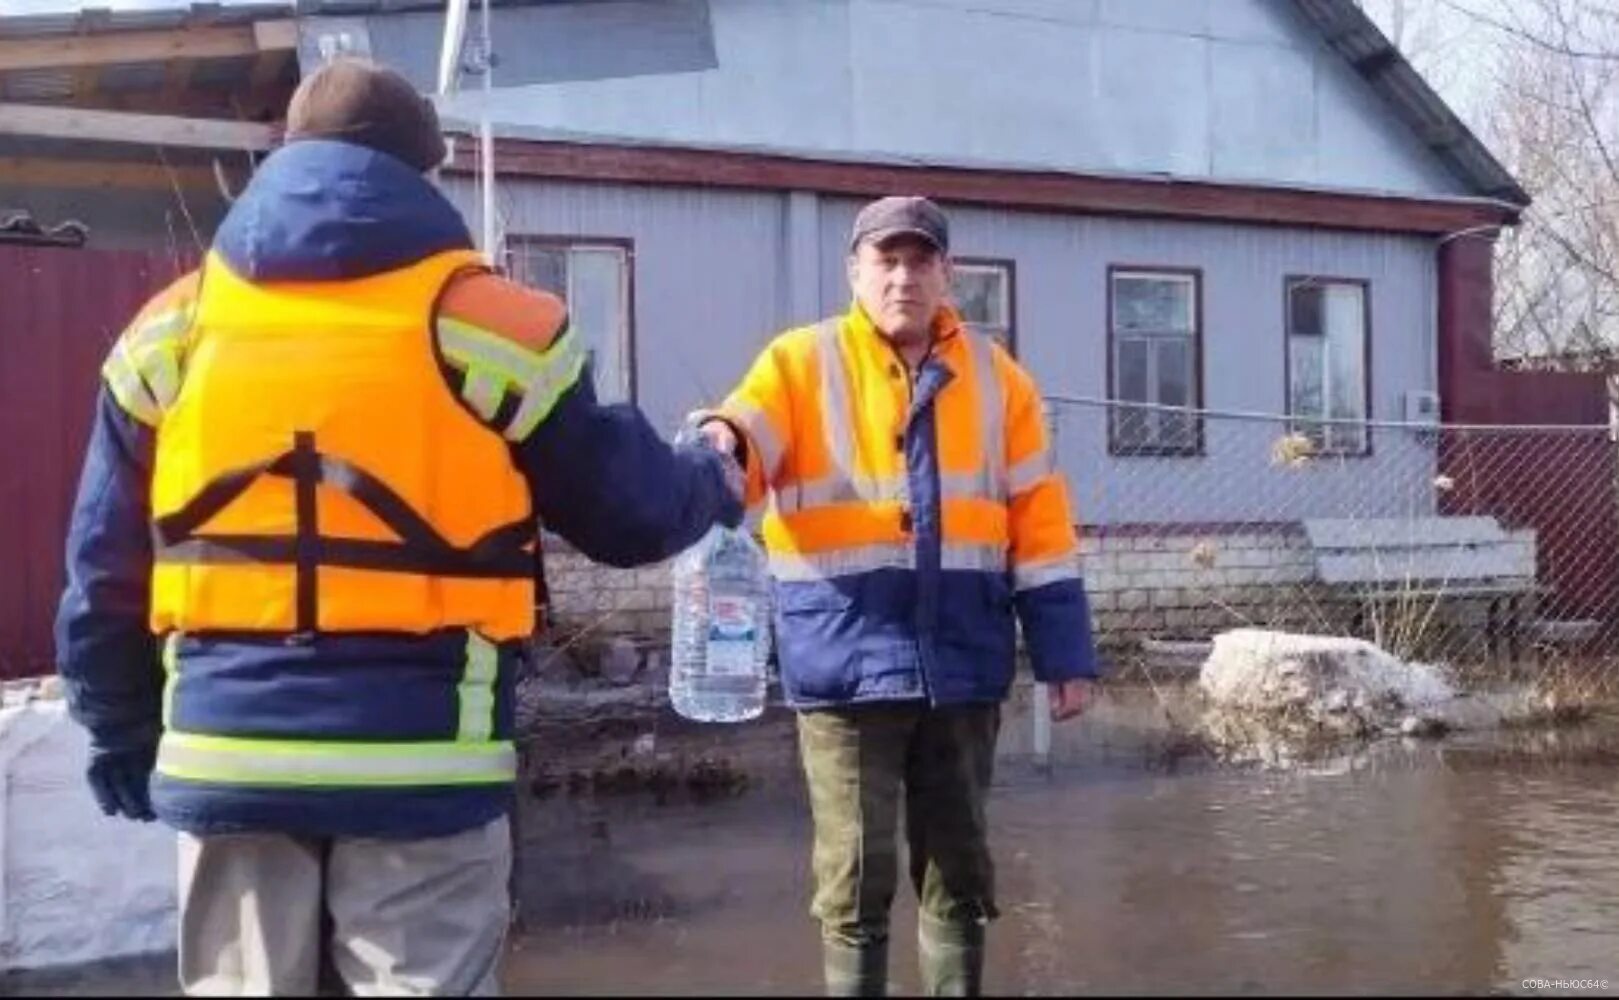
<point x="908" y="516"/>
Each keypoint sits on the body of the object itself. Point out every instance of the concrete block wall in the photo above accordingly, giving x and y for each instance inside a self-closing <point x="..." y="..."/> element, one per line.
<point x="1192" y="584"/>
<point x="1170" y="584"/>
<point x="603" y="599"/>
<point x="1180" y="583"/>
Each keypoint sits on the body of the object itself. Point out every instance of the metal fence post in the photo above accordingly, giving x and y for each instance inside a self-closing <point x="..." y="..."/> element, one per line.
<point x="1041" y="702"/>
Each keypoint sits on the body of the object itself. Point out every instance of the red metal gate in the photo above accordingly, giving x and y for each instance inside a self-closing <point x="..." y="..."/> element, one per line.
<point x="60" y="310"/>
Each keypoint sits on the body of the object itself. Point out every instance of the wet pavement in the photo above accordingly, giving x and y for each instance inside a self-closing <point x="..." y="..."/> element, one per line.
<point x="1466" y="866"/>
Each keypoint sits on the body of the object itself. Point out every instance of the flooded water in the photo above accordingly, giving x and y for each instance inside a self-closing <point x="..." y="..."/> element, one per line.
<point x="1437" y="868"/>
<point x="1410" y="870"/>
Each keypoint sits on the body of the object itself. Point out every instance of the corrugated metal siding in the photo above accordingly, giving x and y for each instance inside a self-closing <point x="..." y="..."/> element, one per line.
<point x="1565" y="486"/>
<point x="1237" y="90"/>
<point x="1576" y="522"/>
<point x="61" y="310"/>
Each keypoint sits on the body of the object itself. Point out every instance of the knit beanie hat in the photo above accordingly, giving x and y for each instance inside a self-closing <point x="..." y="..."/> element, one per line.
<point x="355" y="100"/>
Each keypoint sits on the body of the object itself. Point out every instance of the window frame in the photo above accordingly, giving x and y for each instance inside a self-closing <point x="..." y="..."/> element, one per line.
<point x="1115" y="448"/>
<point x="1291" y="282"/>
<point x="1008" y="267"/>
<point x="623" y="245"/>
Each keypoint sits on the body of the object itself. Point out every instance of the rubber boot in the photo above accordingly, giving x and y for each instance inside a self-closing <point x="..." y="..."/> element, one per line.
<point x="855" y="970"/>
<point x="951" y="954"/>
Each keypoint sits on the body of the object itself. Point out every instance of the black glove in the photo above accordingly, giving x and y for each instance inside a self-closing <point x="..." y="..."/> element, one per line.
<point x="120" y="780"/>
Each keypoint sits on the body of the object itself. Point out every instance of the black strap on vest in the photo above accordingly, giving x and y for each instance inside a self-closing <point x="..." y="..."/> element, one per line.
<point x="305" y="480"/>
<point x="500" y="554"/>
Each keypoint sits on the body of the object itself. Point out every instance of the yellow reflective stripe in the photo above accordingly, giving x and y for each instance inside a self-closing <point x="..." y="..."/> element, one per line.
<point x="159" y="364"/>
<point x="806" y="566"/>
<point x="476" y="691"/>
<point x="495" y="365"/>
<point x="1038" y="573"/>
<point x="288" y="763"/>
<point x="483" y="390"/>
<point x="468" y="346"/>
<point x="129" y="389"/>
<point x="836" y="411"/>
<point x="564" y="363"/>
<point x="160" y="327"/>
<point x="756" y="425"/>
<point x="156" y="361"/>
<point x="171" y="674"/>
<point x="1030" y="472"/>
<point x="992" y="414"/>
<point x="143" y="368"/>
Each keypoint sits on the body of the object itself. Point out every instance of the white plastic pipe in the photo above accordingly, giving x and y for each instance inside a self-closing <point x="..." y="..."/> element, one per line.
<point x="449" y="57"/>
<point x="486" y="159"/>
<point x="1042" y="724"/>
<point x="486" y="170"/>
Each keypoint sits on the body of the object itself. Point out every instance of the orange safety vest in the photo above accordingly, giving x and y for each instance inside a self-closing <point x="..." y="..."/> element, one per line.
<point x="314" y="473"/>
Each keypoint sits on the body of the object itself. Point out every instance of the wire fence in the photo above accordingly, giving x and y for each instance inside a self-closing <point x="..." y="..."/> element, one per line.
<point x="1477" y="547"/>
<point x="1484" y="549"/>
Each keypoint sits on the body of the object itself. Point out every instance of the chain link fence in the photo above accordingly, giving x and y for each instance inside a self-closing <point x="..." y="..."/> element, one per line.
<point x="1480" y="548"/>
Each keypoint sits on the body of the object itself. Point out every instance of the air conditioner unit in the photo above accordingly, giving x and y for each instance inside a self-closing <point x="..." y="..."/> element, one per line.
<point x="323" y="39"/>
<point x="1422" y="407"/>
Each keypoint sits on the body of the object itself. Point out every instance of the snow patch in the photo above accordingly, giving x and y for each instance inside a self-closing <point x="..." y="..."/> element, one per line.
<point x="75" y="886"/>
<point x="1271" y="693"/>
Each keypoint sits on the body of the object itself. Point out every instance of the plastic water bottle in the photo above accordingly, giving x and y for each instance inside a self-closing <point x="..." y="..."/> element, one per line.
<point x="717" y="668"/>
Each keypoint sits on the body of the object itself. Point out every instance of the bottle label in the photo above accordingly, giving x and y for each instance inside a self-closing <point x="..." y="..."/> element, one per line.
<point x="731" y="636"/>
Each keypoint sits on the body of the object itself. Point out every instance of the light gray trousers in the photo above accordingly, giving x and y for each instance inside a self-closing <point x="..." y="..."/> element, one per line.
<point x="406" y="917"/>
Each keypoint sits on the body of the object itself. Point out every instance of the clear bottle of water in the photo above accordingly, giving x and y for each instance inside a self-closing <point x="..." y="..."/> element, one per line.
<point x="717" y="667"/>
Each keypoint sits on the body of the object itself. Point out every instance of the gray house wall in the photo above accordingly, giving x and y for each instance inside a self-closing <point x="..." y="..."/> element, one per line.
<point x="718" y="273"/>
<point x="1236" y="90"/>
<point x="1061" y="275"/>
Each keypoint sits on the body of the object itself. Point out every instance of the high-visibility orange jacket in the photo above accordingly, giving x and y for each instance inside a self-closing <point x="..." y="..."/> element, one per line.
<point x="909" y="516"/>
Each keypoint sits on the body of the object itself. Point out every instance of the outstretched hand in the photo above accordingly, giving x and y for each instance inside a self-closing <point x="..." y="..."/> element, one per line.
<point x="1070" y="698"/>
<point x="720" y="437"/>
<point x="717" y="436"/>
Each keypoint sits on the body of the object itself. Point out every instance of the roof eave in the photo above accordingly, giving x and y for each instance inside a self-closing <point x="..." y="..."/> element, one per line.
<point x="1353" y="34"/>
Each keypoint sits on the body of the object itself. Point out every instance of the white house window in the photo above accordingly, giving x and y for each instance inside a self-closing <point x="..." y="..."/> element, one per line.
<point x="1154" y="332"/>
<point x="983" y="292"/>
<point x="593" y="277"/>
<point x="1327" y="344"/>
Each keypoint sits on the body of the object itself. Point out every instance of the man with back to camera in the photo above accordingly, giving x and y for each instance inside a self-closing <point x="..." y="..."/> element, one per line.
<point x="300" y="563"/>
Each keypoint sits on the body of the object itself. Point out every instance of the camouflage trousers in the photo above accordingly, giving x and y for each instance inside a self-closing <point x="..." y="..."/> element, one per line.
<point x="859" y="762"/>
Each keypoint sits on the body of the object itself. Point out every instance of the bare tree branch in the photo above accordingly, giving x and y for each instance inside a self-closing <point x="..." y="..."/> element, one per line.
<point x="1525" y="35"/>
